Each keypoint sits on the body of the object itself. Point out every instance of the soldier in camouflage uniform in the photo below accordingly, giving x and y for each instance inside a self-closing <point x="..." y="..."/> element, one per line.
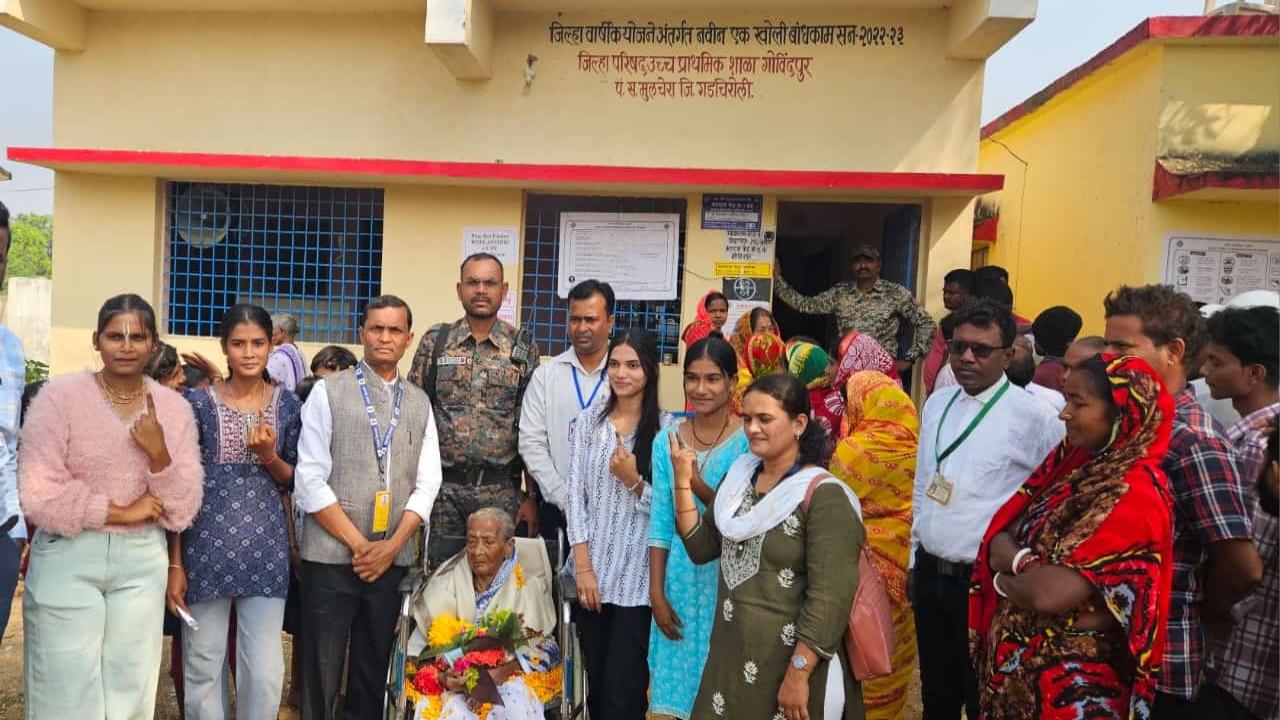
<point x="870" y="304"/>
<point x="476" y="379"/>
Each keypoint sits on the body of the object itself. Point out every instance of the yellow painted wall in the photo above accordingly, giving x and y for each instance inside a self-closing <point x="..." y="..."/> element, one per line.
<point x="1220" y="100"/>
<point x="1077" y="219"/>
<point x="367" y="86"/>
<point x="1225" y="219"/>
<point x="1074" y="211"/>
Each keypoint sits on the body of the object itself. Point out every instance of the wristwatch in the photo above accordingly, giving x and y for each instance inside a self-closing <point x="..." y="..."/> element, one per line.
<point x="799" y="662"/>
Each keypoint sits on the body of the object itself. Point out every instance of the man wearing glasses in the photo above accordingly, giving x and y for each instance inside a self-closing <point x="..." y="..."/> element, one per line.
<point x="978" y="443"/>
<point x="475" y="371"/>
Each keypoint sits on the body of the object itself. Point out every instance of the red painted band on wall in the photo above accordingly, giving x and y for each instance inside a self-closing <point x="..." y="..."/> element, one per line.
<point x="516" y="172"/>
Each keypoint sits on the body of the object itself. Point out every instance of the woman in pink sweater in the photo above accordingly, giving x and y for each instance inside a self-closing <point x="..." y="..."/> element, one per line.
<point x="108" y="462"/>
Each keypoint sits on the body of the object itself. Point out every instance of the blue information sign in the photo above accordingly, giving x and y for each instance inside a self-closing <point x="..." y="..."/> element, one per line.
<point x="732" y="212"/>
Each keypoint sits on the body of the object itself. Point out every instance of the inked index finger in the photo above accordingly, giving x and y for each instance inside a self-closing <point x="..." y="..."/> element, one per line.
<point x="151" y="405"/>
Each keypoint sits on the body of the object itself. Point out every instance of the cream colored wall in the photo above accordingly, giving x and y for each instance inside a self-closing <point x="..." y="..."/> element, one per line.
<point x="367" y="86"/>
<point x="1220" y="101"/>
<point x="1074" y="212"/>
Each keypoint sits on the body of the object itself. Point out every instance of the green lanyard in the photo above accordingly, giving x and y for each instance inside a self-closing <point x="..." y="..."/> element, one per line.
<point x="977" y="420"/>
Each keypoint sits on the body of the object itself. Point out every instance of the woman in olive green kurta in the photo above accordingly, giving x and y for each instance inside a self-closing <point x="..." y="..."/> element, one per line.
<point x="787" y="575"/>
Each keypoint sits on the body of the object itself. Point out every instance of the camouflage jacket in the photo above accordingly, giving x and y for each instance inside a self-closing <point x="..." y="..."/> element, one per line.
<point x="479" y="387"/>
<point x="878" y="312"/>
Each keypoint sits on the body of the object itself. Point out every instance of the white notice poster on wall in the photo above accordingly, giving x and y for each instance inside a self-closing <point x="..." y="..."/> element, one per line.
<point x="637" y="253"/>
<point x="1216" y="269"/>
<point x="502" y="243"/>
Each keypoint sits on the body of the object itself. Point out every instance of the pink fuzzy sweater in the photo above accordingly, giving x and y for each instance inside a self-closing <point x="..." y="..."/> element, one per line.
<point x="76" y="456"/>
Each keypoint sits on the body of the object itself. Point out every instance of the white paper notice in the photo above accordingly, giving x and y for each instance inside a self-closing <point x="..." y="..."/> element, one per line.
<point x="502" y="243"/>
<point x="637" y="253"/>
<point x="744" y="246"/>
<point x="1216" y="269"/>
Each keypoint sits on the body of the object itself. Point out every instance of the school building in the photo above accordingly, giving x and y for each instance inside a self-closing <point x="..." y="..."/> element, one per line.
<point x="308" y="154"/>
<point x="1158" y="160"/>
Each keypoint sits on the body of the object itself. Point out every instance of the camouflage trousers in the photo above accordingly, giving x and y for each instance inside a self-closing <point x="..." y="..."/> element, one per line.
<point x="454" y="505"/>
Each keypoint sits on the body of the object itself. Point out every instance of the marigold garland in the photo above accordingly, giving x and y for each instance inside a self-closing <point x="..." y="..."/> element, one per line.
<point x="445" y="628"/>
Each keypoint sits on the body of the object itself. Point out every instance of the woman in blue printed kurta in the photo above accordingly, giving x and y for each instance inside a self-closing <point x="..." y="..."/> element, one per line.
<point x="683" y="595"/>
<point x="236" y="553"/>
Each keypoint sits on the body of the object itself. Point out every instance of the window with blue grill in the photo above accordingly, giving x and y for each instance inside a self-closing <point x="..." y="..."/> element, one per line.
<point x="314" y="252"/>
<point x="547" y="315"/>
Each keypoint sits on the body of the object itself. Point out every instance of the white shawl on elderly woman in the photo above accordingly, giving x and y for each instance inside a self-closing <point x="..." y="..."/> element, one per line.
<point x="450" y="590"/>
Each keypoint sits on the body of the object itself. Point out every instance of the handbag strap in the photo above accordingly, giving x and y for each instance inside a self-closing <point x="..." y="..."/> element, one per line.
<point x="808" y="491"/>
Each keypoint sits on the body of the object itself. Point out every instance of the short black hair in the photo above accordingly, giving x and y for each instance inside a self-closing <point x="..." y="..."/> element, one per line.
<point x="1251" y="334"/>
<point x="948" y="326"/>
<point x="1166" y="315"/>
<point x="473" y="257"/>
<point x="1056" y="328"/>
<point x="587" y="288"/>
<point x="993" y="289"/>
<point x="333" y="357"/>
<point x="991" y="272"/>
<point x="382" y="302"/>
<point x="986" y="313"/>
<point x="960" y="276"/>
<point x="4" y="217"/>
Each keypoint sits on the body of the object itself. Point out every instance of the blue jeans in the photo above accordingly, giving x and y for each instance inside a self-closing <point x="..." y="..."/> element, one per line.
<point x="259" y="658"/>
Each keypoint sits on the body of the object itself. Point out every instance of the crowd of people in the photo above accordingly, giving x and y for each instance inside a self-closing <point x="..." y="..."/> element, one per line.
<point x="1060" y="530"/>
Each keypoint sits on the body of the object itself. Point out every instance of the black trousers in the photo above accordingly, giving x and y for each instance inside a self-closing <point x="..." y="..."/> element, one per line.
<point x="1213" y="702"/>
<point x="947" y="678"/>
<point x="337" y="607"/>
<point x="615" y="654"/>
<point x="9" y="558"/>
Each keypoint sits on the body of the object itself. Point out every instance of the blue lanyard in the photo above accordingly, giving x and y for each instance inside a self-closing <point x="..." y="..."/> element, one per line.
<point x="381" y="443"/>
<point x="600" y="381"/>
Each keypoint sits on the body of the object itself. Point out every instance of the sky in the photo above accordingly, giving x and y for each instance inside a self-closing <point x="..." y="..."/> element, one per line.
<point x="1064" y="34"/>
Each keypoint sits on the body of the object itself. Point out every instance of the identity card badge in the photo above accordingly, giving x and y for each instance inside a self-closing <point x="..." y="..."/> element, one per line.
<point x="940" y="489"/>
<point x="381" y="511"/>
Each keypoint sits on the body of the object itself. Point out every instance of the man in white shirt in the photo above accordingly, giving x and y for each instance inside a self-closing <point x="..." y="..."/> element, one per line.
<point x="13" y="530"/>
<point x="558" y="391"/>
<point x="368" y="474"/>
<point x="978" y="444"/>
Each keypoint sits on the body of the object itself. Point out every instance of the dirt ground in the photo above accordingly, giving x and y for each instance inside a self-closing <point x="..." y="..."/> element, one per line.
<point x="166" y="702"/>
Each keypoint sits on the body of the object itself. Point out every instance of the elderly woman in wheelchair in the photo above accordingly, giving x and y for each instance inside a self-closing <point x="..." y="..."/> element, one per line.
<point x="483" y="644"/>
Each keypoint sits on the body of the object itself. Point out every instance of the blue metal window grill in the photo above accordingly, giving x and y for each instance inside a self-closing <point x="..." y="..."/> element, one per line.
<point x="315" y="252"/>
<point x="547" y="315"/>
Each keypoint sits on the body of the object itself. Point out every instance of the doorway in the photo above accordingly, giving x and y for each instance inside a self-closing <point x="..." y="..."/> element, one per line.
<point x="814" y="246"/>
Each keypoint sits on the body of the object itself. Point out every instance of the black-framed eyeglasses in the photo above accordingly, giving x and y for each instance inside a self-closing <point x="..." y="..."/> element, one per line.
<point x="979" y="350"/>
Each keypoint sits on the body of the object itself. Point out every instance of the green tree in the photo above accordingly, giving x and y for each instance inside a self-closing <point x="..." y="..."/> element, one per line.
<point x="31" y="246"/>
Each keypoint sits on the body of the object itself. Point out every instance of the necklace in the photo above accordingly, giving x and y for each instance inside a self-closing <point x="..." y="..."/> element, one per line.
<point x="257" y="393"/>
<point x="119" y="397"/>
<point x="693" y="428"/>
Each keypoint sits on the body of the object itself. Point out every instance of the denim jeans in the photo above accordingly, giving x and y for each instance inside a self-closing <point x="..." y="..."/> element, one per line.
<point x="91" y="614"/>
<point x="259" y="658"/>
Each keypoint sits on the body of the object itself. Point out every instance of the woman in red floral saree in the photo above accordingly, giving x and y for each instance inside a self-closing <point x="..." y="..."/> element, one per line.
<point x="1071" y="587"/>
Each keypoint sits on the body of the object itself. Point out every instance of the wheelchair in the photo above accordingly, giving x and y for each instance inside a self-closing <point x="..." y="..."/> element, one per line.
<point x="570" y="705"/>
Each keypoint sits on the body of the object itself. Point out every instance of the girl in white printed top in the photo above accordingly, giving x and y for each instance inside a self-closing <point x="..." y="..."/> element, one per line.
<point x="610" y="446"/>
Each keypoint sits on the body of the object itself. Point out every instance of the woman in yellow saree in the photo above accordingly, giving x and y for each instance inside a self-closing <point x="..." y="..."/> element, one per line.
<point x="876" y="456"/>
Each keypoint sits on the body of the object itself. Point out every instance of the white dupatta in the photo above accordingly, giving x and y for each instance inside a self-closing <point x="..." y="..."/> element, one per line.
<point x="776" y="506"/>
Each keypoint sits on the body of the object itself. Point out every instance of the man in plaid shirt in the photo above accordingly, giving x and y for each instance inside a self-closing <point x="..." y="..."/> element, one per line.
<point x="1242" y="364"/>
<point x="1215" y="562"/>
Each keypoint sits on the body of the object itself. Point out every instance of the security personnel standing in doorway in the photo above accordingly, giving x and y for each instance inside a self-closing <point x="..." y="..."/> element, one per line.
<point x="475" y="371"/>
<point x="870" y="304"/>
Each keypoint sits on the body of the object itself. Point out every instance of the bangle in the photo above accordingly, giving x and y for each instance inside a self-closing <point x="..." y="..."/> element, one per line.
<point x="684" y="487"/>
<point x="584" y="571"/>
<point x="1022" y="562"/>
<point x="995" y="583"/>
<point x="1017" y="558"/>
<point x="632" y="488"/>
<point x="179" y="568"/>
